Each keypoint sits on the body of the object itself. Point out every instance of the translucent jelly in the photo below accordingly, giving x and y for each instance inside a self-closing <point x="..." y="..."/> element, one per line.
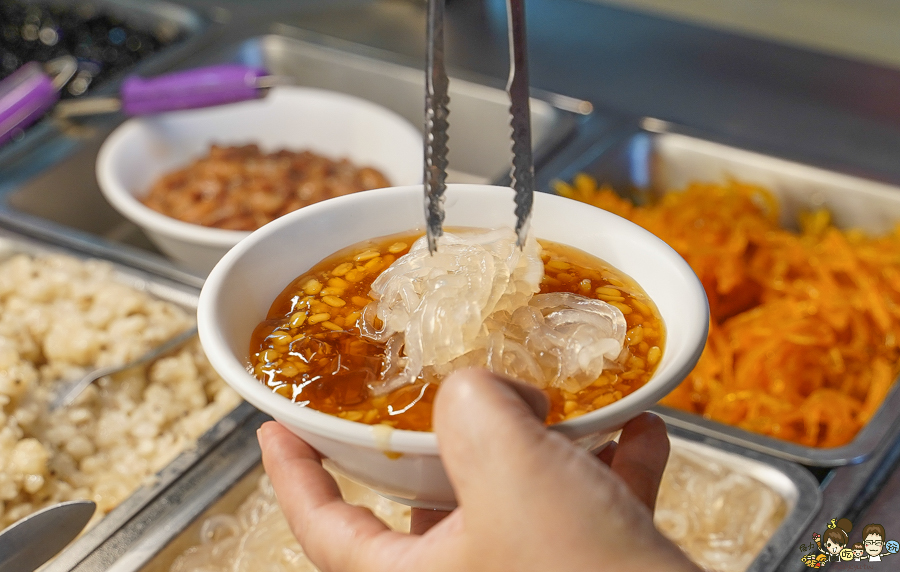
<point x="316" y="346"/>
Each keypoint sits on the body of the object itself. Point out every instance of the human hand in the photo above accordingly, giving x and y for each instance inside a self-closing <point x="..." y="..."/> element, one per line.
<point x="529" y="500"/>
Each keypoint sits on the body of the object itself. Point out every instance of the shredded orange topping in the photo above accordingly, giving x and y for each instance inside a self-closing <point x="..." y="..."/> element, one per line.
<point x="803" y="343"/>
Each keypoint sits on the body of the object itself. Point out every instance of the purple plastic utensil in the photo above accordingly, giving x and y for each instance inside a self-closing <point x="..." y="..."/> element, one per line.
<point x="202" y="87"/>
<point x="24" y="97"/>
<point x="30" y="91"/>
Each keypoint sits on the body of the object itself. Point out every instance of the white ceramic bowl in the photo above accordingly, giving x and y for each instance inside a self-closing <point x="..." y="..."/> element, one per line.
<point x="242" y="286"/>
<point x="329" y="123"/>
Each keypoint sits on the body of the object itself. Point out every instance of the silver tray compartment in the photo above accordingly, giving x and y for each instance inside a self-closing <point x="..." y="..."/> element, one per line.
<point x="217" y="483"/>
<point x="796" y="486"/>
<point x="225" y="477"/>
<point x="480" y="144"/>
<point x="53" y="163"/>
<point x="183" y="25"/>
<point x="65" y="196"/>
<point x="179" y="292"/>
<point x="655" y="157"/>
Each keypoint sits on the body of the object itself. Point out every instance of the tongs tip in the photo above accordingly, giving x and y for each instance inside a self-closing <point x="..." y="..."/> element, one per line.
<point x="437" y="109"/>
<point x="436" y="124"/>
<point x="522" y="172"/>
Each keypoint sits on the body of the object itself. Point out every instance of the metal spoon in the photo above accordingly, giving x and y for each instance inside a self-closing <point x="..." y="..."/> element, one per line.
<point x="28" y="543"/>
<point x="67" y="391"/>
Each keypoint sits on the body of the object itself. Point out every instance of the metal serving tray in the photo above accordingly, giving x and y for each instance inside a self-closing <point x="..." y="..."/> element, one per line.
<point x="61" y="154"/>
<point x="654" y="156"/>
<point x="62" y="197"/>
<point x="793" y="483"/>
<point x="209" y="481"/>
<point x="181" y="24"/>
<point x="223" y="479"/>
<point x="479" y="110"/>
<point x="181" y="293"/>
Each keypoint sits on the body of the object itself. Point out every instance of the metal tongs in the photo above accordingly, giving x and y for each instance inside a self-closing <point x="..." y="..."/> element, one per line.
<point x="33" y="89"/>
<point x="436" y="124"/>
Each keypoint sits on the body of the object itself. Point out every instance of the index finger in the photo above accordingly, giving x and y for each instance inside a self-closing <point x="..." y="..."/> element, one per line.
<point x="641" y="455"/>
<point x="334" y="534"/>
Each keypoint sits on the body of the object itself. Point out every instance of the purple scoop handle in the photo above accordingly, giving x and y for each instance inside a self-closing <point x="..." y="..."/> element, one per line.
<point x="24" y="97"/>
<point x="201" y="87"/>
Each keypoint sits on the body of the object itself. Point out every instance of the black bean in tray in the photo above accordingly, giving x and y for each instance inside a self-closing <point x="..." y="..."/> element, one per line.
<point x="103" y="42"/>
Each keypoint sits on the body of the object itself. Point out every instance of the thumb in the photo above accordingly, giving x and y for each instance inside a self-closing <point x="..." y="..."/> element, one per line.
<point x="522" y="487"/>
<point x="534" y="400"/>
<point x="485" y="422"/>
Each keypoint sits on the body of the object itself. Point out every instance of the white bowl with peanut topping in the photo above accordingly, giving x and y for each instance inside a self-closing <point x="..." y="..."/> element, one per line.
<point x="403" y="464"/>
<point x="330" y="124"/>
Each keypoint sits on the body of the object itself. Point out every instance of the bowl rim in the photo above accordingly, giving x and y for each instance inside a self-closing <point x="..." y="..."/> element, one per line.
<point x="407" y="441"/>
<point x="129" y="206"/>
